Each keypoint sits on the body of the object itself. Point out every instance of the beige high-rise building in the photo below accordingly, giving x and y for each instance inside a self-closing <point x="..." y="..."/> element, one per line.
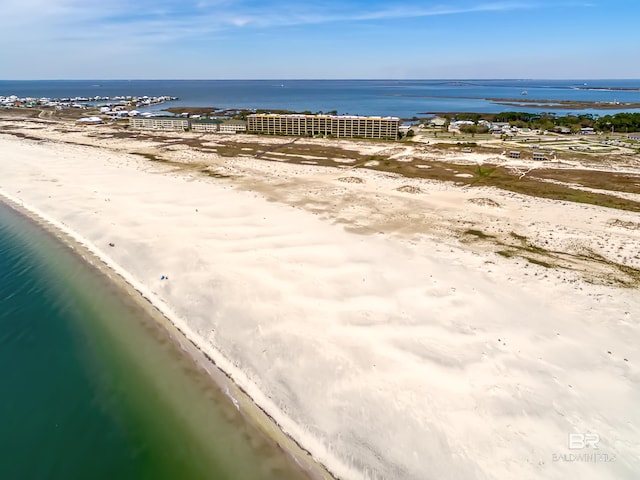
<point x="339" y="126"/>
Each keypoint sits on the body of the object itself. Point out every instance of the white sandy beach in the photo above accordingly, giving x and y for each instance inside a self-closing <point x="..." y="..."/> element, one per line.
<point x="377" y="339"/>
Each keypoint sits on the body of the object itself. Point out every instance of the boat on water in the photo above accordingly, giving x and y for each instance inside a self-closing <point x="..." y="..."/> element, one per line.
<point x="524" y="92"/>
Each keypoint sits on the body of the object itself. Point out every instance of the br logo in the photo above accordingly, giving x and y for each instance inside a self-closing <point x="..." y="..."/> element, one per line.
<point x="578" y="441"/>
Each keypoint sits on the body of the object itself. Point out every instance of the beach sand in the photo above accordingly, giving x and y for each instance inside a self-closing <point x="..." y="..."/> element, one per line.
<point x="348" y="307"/>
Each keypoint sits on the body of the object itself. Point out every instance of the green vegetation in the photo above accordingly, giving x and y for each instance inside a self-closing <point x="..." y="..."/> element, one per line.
<point x="473" y="129"/>
<point x="619" y="122"/>
<point x="478" y="233"/>
<point x="473" y="117"/>
<point x="149" y="156"/>
<point x="542" y="263"/>
<point x="564" y="186"/>
<point x="518" y="246"/>
<point x="482" y="173"/>
<point x="521" y="238"/>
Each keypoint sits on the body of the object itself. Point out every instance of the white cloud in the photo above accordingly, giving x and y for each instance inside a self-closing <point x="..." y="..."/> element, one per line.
<point x="126" y="32"/>
<point x="97" y="18"/>
<point x="413" y="11"/>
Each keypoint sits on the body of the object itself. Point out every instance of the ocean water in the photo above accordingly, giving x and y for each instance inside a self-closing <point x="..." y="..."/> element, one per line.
<point x="402" y="98"/>
<point x="93" y="389"/>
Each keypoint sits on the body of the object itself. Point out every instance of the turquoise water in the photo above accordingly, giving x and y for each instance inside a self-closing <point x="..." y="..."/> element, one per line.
<point x="94" y="389"/>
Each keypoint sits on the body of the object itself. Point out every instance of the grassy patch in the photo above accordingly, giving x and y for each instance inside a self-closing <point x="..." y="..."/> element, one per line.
<point x="214" y="174"/>
<point x="482" y="173"/>
<point x="478" y="233"/>
<point x="298" y="149"/>
<point x="632" y="274"/>
<point x="295" y="151"/>
<point x="150" y="156"/>
<point x="592" y="266"/>
<point x="536" y="261"/>
<point x="505" y="179"/>
<point x="614" y="181"/>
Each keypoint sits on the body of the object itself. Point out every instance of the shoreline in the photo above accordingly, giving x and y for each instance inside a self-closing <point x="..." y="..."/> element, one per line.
<point x="368" y="327"/>
<point x="94" y="259"/>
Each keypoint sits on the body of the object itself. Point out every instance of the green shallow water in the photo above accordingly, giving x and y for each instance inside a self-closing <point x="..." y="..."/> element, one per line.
<point x="90" y="388"/>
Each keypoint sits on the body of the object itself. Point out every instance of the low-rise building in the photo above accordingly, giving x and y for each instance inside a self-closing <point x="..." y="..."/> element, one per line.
<point x="233" y="126"/>
<point x="514" y="154"/>
<point x="159" y="123"/>
<point x="205" y="125"/>
<point x="539" y="156"/>
<point x="437" y="122"/>
<point x="460" y="123"/>
<point x="93" y="120"/>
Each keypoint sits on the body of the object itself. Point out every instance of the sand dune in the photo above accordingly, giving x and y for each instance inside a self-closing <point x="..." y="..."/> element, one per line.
<point x="383" y="348"/>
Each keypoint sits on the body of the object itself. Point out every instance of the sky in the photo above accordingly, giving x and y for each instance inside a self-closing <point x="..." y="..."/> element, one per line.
<point x="333" y="39"/>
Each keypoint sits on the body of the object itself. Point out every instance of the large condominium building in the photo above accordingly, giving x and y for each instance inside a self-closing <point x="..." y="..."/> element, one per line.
<point x="335" y="125"/>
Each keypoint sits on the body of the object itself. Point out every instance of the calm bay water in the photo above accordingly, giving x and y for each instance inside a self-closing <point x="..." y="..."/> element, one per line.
<point x="403" y="98"/>
<point x="93" y="389"/>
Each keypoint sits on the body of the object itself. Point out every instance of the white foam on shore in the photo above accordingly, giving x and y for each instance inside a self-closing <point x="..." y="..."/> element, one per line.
<point x="384" y="358"/>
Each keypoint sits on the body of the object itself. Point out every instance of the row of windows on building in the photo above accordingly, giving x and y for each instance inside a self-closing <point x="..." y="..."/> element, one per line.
<point x="182" y="124"/>
<point x="334" y="125"/>
<point x="301" y="125"/>
<point x="541" y="156"/>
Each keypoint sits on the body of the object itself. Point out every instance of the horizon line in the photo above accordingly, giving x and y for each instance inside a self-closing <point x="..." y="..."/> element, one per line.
<point x="281" y="79"/>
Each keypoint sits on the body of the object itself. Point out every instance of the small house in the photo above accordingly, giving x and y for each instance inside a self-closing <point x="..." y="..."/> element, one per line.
<point x="437" y="122"/>
<point x="500" y="127"/>
<point x="90" y="120"/>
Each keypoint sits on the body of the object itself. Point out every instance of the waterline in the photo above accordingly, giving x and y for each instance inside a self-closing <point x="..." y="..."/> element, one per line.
<point x="98" y="389"/>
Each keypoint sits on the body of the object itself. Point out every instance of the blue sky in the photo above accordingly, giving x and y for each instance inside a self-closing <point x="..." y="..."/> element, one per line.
<point x="285" y="39"/>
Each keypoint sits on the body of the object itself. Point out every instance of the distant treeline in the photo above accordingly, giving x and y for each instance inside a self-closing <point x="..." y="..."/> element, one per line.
<point x="620" y="122"/>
